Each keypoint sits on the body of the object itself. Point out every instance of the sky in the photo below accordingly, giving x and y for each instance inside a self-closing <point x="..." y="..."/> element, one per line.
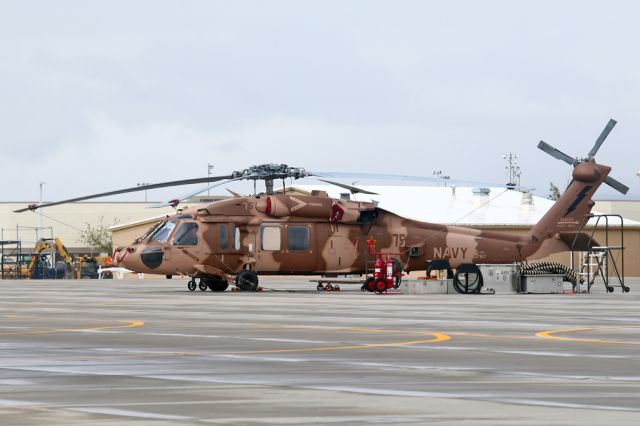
<point x="97" y="96"/>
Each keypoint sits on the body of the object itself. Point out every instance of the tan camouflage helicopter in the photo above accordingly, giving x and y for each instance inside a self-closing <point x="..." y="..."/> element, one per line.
<point x="238" y="239"/>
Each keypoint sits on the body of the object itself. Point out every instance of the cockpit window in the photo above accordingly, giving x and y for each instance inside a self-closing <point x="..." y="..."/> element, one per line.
<point x="162" y="233"/>
<point x="186" y="235"/>
<point x="150" y="232"/>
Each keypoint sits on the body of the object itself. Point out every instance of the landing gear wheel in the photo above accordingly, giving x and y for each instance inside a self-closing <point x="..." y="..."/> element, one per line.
<point x="247" y="281"/>
<point x="380" y="285"/>
<point x="468" y="279"/>
<point x="203" y="286"/>
<point x="191" y="285"/>
<point x="216" y="283"/>
<point x="368" y="285"/>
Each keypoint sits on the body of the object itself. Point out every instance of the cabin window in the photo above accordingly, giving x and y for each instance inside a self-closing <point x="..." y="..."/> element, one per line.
<point x="298" y="238"/>
<point x="270" y="238"/>
<point x="235" y="234"/>
<point x="186" y="235"/>
<point x="162" y="233"/>
<point x="223" y="237"/>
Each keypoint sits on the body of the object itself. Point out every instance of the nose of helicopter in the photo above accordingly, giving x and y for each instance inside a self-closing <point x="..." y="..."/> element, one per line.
<point x="139" y="257"/>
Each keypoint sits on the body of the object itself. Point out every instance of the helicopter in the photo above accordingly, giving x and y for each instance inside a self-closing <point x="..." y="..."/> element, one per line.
<point x="238" y="239"/>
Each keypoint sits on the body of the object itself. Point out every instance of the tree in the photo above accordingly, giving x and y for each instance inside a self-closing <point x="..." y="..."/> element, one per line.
<point x="554" y="192"/>
<point x="98" y="237"/>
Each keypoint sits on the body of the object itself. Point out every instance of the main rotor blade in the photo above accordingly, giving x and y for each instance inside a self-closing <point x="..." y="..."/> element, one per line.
<point x="405" y="178"/>
<point x="608" y="128"/>
<point x="617" y="185"/>
<point x="556" y="153"/>
<point x="127" y="190"/>
<point x="353" y="189"/>
<point x="183" y="197"/>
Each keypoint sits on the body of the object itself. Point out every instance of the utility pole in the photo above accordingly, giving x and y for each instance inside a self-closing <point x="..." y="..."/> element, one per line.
<point x="209" y="170"/>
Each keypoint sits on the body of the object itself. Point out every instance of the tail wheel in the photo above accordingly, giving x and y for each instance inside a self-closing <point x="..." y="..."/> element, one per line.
<point x="468" y="279"/>
<point x="191" y="285"/>
<point x="368" y="284"/>
<point x="380" y="285"/>
<point x="247" y="281"/>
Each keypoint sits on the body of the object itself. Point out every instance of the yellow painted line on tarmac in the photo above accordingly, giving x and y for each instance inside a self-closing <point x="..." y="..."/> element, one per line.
<point x="493" y="336"/>
<point x="551" y="334"/>
<point x="438" y="337"/>
<point x="129" y="324"/>
<point x="340" y="329"/>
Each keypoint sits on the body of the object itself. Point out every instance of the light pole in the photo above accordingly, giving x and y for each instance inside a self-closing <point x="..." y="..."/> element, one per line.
<point x="40" y="212"/>
<point x="512" y="168"/>
<point x="145" y="191"/>
<point x="438" y="175"/>
<point x="209" y="170"/>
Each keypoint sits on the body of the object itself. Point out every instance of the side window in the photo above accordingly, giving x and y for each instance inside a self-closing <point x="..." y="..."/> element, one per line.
<point x="298" y="238"/>
<point x="235" y="234"/>
<point x="224" y="243"/>
<point x="186" y="235"/>
<point x="270" y="238"/>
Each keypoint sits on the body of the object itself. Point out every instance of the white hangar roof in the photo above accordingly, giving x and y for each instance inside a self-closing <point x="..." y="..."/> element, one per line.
<point x="459" y="206"/>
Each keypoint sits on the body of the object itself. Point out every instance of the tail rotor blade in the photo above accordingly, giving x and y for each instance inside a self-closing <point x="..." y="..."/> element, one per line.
<point x="608" y="128"/>
<point x="556" y="153"/>
<point x="618" y="186"/>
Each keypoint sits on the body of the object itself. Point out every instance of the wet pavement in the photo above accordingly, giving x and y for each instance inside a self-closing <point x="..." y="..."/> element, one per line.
<point x="114" y="351"/>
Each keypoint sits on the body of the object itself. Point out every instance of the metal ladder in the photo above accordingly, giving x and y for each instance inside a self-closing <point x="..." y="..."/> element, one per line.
<point x="596" y="261"/>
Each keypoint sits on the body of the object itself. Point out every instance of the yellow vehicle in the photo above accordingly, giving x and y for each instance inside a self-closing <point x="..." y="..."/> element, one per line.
<point x="41" y="265"/>
<point x="85" y="267"/>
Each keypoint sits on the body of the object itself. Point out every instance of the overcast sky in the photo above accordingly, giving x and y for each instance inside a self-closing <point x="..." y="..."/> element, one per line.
<point x="101" y="95"/>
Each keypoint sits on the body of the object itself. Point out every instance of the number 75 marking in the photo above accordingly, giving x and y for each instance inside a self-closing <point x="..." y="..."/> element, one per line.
<point x="398" y="240"/>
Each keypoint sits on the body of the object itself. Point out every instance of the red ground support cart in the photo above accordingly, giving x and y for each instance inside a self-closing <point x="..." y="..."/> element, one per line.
<point x="387" y="270"/>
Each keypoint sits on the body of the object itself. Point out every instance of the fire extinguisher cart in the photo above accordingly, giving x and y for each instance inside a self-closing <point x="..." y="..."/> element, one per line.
<point x="387" y="270"/>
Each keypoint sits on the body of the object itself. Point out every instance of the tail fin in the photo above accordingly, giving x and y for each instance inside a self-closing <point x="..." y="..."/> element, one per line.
<point x="573" y="208"/>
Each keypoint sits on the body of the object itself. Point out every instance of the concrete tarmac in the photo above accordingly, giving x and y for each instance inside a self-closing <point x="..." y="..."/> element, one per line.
<point x="112" y="352"/>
